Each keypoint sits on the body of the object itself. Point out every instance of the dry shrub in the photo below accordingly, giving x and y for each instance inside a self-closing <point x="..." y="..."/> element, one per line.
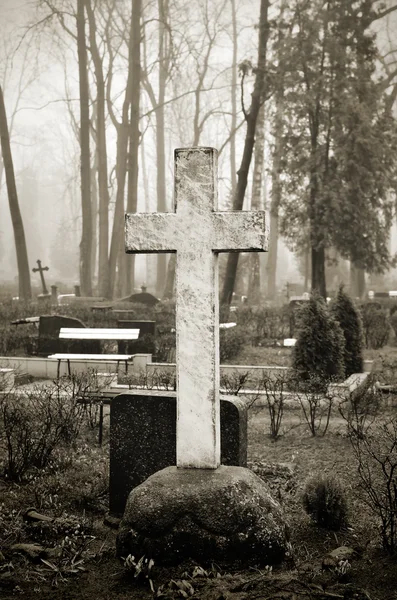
<point x="361" y="407"/>
<point x="376" y="456"/>
<point x="325" y="501"/>
<point x="34" y="423"/>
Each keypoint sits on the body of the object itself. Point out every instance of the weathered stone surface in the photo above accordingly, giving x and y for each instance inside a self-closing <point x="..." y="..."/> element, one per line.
<point x="197" y="233"/>
<point x="32" y="551"/>
<point x="143" y="440"/>
<point x="225" y="514"/>
<point x="335" y="557"/>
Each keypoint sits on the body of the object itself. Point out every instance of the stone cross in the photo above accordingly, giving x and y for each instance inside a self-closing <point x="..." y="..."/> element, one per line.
<point x="41" y="270"/>
<point x="197" y="232"/>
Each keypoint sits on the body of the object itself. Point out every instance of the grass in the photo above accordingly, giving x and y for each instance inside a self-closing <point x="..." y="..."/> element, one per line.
<point x="73" y="489"/>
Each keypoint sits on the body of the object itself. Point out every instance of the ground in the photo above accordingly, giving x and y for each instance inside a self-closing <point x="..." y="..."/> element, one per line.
<point x="372" y="573"/>
<point x="74" y="489"/>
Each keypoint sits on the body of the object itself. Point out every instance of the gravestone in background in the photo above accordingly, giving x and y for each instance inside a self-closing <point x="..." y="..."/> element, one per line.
<point x="40" y="269"/>
<point x="142" y="297"/>
<point x="143" y="440"/>
<point x="145" y="344"/>
<point x="49" y="342"/>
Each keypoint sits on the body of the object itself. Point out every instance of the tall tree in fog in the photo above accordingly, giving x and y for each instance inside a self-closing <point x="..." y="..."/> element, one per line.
<point x="199" y="46"/>
<point x="25" y="291"/>
<point x="134" y="132"/>
<point x="85" y="161"/>
<point x="277" y="130"/>
<point x="233" y="98"/>
<point x="122" y="126"/>
<point x="101" y="153"/>
<point x="157" y="101"/>
<point x="251" y="118"/>
<point x="339" y="155"/>
<point x="254" y="274"/>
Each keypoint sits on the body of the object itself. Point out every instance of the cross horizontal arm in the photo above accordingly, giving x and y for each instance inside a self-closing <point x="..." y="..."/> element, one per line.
<point x="240" y="231"/>
<point x="150" y="233"/>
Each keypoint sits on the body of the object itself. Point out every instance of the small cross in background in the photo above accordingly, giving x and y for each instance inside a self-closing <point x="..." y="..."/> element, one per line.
<point x="41" y="269"/>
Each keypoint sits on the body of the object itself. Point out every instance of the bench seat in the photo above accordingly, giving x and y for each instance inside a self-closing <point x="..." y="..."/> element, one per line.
<point x="97" y="333"/>
<point x="87" y="333"/>
<point x="114" y="358"/>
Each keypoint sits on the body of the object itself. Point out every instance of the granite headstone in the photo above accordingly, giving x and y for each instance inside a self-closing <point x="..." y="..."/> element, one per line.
<point x="49" y="342"/>
<point x="145" y="344"/>
<point x="143" y="439"/>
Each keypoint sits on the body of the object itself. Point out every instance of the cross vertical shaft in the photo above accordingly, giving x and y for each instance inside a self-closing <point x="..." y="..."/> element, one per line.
<point x="197" y="314"/>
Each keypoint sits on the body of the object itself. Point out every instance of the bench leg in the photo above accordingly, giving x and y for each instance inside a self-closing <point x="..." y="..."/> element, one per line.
<point x="100" y="434"/>
<point x="69" y="368"/>
<point x="58" y="368"/>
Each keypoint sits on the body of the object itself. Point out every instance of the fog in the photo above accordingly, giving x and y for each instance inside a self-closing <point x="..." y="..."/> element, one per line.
<point x="40" y="79"/>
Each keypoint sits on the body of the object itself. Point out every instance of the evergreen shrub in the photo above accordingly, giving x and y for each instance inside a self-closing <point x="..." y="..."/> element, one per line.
<point x="231" y="342"/>
<point x="325" y="501"/>
<point x="393" y="320"/>
<point x="376" y="325"/>
<point x="320" y="345"/>
<point x="264" y="325"/>
<point x="349" y="318"/>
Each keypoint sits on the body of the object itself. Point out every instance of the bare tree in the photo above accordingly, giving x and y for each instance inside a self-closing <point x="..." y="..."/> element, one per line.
<point x="257" y="202"/>
<point x="85" y="164"/>
<point x="158" y="104"/>
<point x="134" y="133"/>
<point x="251" y="118"/>
<point x="101" y="153"/>
<point x="25" y="290"/>
<point x="233" y="124"/>
<point x="278" y="129"/>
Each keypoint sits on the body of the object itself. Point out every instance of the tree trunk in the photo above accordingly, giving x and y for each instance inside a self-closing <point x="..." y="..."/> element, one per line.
<point x="103" y="191"/>
<point x="134" y="133"/>
<point x="307" y="275"/>
<point x="116" y="244"/>
<point x="132" y="201"/>
<point x="257" y="204"/>
<point x="316" y="233"/>
<point x="357" y="281"/>
<point x="318" y="270"/>
<point x="85" y="162"/>
<point x="170" y="279"/>
<point x="251" y="117"/>
<point x="25" y="290"/>
<point x="233" y="124"/>
<point x="160" y="136"/>
<point x="94" y="210"/>
<point x="271" y="265"/>
<point x="151" y="264"/>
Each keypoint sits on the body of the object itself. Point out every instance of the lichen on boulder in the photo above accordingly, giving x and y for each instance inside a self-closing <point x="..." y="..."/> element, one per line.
<point x="225" y="514"/>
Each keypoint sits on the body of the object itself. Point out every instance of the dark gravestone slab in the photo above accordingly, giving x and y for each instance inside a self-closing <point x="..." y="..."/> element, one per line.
<point x="145" y="344"/>
<point x="295" y="304"/>
<point x="141" y="298"/>
<point x="143" y="440"/>
<point x="49" y="342"/>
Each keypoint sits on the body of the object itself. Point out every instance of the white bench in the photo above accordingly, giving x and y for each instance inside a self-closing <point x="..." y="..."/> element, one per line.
<point x="227" y="325"/>
<point x="87" y="333"/>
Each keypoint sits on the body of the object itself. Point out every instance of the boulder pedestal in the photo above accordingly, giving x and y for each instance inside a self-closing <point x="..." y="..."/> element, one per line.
<point x="226" y="514"/>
